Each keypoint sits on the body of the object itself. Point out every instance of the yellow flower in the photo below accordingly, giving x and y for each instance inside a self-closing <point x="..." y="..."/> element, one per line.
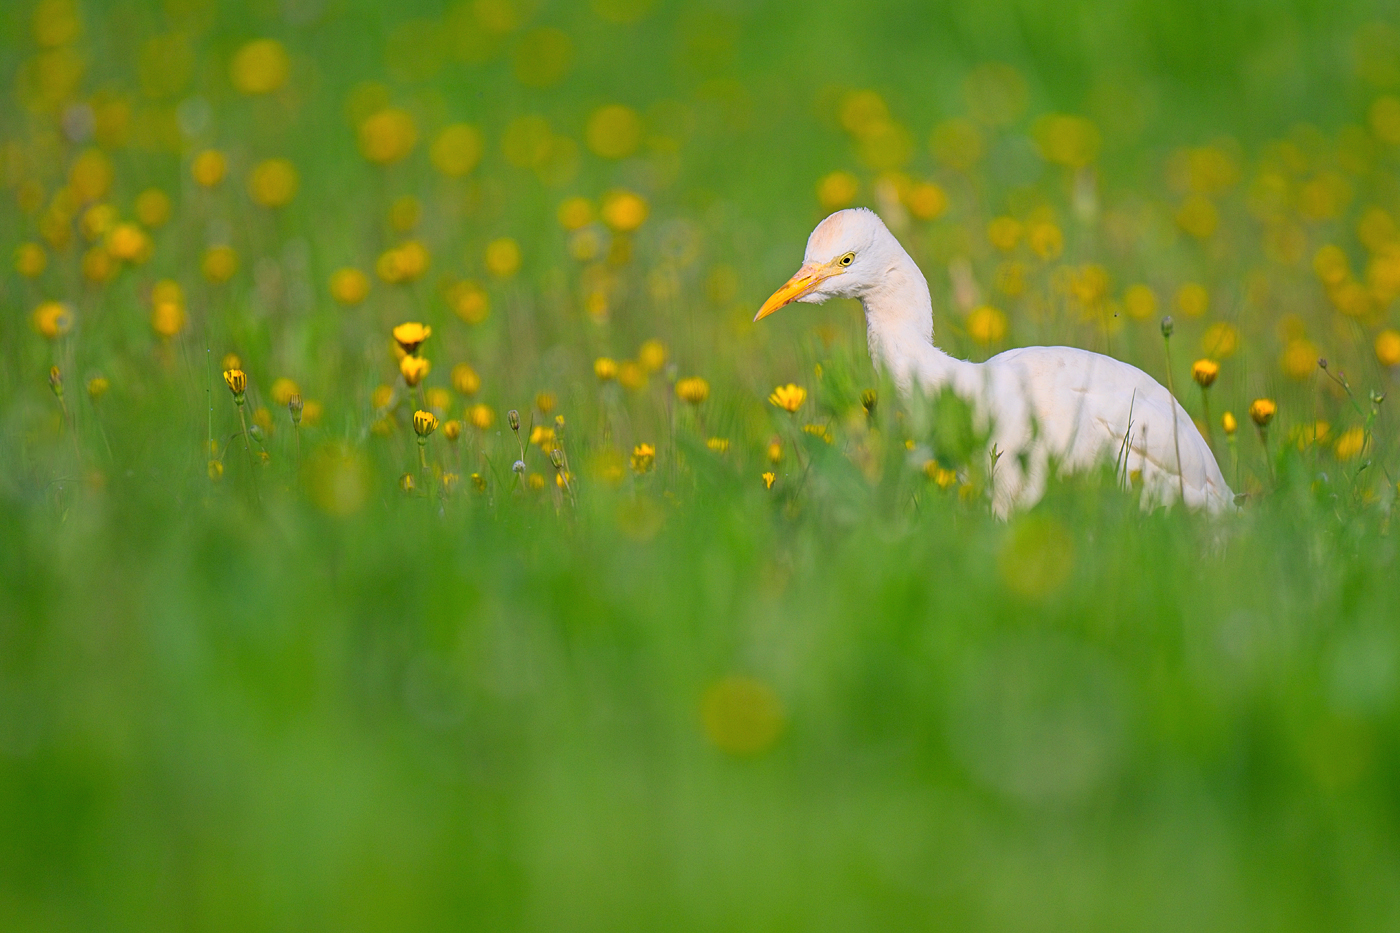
<point x="98" y="220"/>
<point x="1299" y="358"/>
<point x="128" y="243"/>
<point x="605" y="369"/>
<point x="939" y="475"/>
<point x="1004" y="233"/>
<point x="837" y="190"/>
<point x="614" y="131"/>
<point x="452" y="430"/>
<point x="424" y="423"/>
<point x="482" y="417"/>
<point x="1221" y="339"/>
<point x="98" y="265"/>
<point x="465" y="380"/>
<point x="1205" y="371"/>
<point x="97" y="387"/>
<point x="237" y="382"/>
<point x="439" y="399"/>
<point x="469" y="301"/>
<point x="1067" y="140"/>
<point x="411" y="335"/>
<point x="273" y="183"/>
<point x="1262" y="410"/>
<point x="1140" y="302"/>
<point x="456" y="151"/>
<point x="775" y="451"/>
<point x="1192" y="300"/>
<point x="406" y="483"/>
<point x="91" y="175"/>
<point x="1046" y="240"/>
<point x="541" y="436"/>
<point x="380" y="398"/>
<point x="631" y="376"/>
<point x="219" y="264"/>
<point x="718" y="444"/>
<point x="693" y="390"/>
<point x="260" y="67"/>
<point x="818" y="430"/>
<point x="926" y="201"/>
<point x="1228" y="422"/>
<point x="209" y="168"/>
<point x="1388" y="348"/>
<point x="388" y="136"/>
<point x="652" y="355"/>
<point x="31" y="260"/>
<point x="231" y="361"/>
<point x="311" y="411"/>
<point x="624" y="211"/>
<point x="53" y="319"/>
<point x="1331" y="265"/>
<point x="1351" y="444"/>
<point x="643" y="458"/>
<point x="535" y="481"/>
<point x="283" y="390"/>
<point x="414" y="368"/>
<point x="349" y="286"/>
<point x="575" y="213"/>
<point x="153" y="208"/>
<point x="503" y="257"/>
<point x="768" y="479"/>
<point x="216" y="469"/>
<point x="789" y="397"/>
<point x="986" y="325"/>
<point x="168" y="318"/>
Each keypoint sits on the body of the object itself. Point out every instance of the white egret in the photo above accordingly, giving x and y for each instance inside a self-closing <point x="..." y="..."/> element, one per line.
<point x="1041" y="405"/>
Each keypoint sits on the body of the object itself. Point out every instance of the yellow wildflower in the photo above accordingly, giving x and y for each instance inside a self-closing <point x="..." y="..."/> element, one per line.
<point x="986" y="325"/>
<point x="718" y="444"/>
<point x="413" y="369"/>
<point x="219" y="264"/>
<point x="456" y="151"/>
<point x="388" y="136"/>
<point x="97" y="387"/>
<point x="1388" y="348"/>
<point x="631" y="376"/>
<point x="503" y="257"/>
<point x="643" y="458"/>
<point x="283" y="390"/>
<point x="153" y="208"/>
<point x="424" y="423"/>
<point x="452" y="430"/>
<point x="652" y="355"/>
<point x="31" y="260"/>
<point x="624" y="211"/>
<point x="349" y="286"/>
<point x="575" y="213"/>
<point x="768" y="479"/>
<point x="410" y="336"/>
<point x="260" y="67"/>
<point x="237" y="382"/>
<point x="168" y="318"/>
<point x="482" y="417"/>
<point x="1205" y="371"/>
<point x="545" y="402"/>
<point x="692" y="390"/>
<point x="605" y="369"/>
<point x="1350" y="444"/>
<point x="53" y="319"/>
<point x="465" y="380"/>
<point x="1262" y="410"/>
<point x="926" y="201"/>
<point x="789" y="397"/>
<point x="469" y="301"/>
<point x="209" y="168"/>
<point x="1228" y="422"/>
<point x="273" y="183"/>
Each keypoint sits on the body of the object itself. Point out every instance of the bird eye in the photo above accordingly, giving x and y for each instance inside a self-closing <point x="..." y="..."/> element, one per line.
<point x="847" y="259"/>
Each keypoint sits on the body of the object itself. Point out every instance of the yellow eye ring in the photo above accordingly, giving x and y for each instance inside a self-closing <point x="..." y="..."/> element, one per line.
<point x="846" y="260"/>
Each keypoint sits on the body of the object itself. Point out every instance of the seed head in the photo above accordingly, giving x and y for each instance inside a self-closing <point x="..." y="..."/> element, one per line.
<point x="518" y="466"/>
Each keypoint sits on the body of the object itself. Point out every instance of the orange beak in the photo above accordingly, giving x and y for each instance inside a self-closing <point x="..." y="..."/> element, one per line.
<point x="806" y="279"/>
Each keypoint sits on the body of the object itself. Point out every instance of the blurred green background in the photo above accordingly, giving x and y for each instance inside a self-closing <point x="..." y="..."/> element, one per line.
<point x="264" y="687"/>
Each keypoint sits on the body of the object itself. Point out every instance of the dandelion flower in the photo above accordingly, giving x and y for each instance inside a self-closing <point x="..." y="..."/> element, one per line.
<point x="545" y="402"/>
<point x="260" y="67"/>
<point x="349" y="286"/>
<point x="168" y="318"/>
<point x="424" y="423"/>
<point x="413" y="369"/>
<point x="575" y="214"/>
<point x="503" y="257"/>
<point x="652" y="355"/>
<point x="53" y="319"/>
<point x="718" y="444"/>
<point x="452" y="430"/>
<point x="1388" y="348"/>
<point x="31" y="260"/>
<point x="273" y="183"/>
<point x="643" y="458"/>
<point x="237" y="382"/>
<point x="219" y="264"/>
<point x="1205" y="371"/>
<point x="469" y="301"/>
<point x="1262" y="411"/>
<point x="631" y="376"/>
<point x="1228" y="422"/>
<point x="209" y="168"/>
<point x="768" y="479"/>
<point x="789" y="397"/>
<point x="456" y="151"/>
<point x="97" y="387"/>
<point x="624" y="211"/>
<point x="605" y="369"/>
<point x="410" y="336"/>
<point x="1350" y="444"/>
<point x="482" y="417"/>
<point x="388" y="136"/>
<point x="692" y="390"/>
<point x="465" y="380"/>
<point x="153" y="208"/>
<point x="986" y="325"/>
<point x="283" y="390"/>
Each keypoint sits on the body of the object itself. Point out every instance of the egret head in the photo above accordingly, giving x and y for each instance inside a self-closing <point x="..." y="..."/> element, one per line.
<point x="846" y="254"/>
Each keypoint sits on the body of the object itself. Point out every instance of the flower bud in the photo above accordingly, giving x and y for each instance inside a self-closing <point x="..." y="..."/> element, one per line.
<point x="513" y="417"/>
<point x="237" y="382"/>
<point x="1167" y="326"/>
<point x="56" y="381"/>
<point x="556" y="457"/>
<point x="294" y="406"/>
<point x="424" y="423"/>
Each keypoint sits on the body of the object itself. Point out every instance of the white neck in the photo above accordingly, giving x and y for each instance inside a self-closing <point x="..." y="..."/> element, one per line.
<point x="899" y="326"/>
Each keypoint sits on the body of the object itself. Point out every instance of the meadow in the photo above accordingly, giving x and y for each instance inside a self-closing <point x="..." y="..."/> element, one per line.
<point x="404" y="525"/>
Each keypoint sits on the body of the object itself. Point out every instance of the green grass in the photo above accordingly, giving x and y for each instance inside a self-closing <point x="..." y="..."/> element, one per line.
<point x="296" y="697"/>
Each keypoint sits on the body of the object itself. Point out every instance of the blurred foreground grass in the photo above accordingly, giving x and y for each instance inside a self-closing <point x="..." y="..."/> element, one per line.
<point x="725" y="666"/>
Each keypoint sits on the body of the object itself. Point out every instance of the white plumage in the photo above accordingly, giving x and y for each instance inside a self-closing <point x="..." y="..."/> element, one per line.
<point x="1042" y="404"/>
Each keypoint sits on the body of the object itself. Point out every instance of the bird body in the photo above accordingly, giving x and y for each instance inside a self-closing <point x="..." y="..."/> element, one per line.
<point x="1042" y="406"/>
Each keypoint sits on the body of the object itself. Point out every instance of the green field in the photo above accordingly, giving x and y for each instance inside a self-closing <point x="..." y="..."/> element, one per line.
<point x="699" y="663"/>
